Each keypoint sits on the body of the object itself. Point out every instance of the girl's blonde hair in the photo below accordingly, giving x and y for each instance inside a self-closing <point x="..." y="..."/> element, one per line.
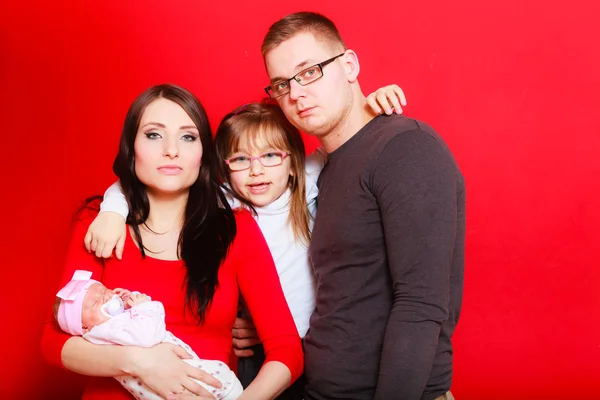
<point x="240" y="131"/>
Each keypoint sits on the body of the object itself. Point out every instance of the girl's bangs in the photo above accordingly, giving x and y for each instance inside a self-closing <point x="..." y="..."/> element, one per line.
<point x="245" y="139"/>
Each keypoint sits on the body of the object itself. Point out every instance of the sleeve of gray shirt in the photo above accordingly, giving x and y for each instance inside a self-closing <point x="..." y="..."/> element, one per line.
<point x="415" y="181"/>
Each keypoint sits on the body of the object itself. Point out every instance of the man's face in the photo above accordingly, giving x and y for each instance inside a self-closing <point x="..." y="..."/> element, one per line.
<point x="318" y="107"/>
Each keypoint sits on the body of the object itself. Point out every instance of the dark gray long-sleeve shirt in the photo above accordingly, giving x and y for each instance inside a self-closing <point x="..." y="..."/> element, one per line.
<point x="388" y="253"/>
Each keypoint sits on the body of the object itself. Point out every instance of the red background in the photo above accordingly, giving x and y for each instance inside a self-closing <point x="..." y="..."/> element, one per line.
<point x="512" y="86"/>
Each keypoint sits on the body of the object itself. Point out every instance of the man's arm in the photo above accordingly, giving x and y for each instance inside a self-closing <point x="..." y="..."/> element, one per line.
<point x="416" y="183"/>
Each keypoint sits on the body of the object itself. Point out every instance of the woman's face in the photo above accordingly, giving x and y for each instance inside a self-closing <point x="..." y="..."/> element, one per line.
<point x="168" y="150"/>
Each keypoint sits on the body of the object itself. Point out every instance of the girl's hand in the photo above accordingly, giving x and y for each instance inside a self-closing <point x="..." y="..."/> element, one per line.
<point x="161" y="368"/>
<point x="390" y="98"/>
<point x="105" y="234"/>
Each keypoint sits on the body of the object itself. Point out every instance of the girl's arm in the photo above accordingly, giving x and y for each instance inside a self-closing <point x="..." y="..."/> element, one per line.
<point x="390" y="98"/>
<point x="160" y="367"/>
<point x="108" y="231"/>
<point x="260" y="287"/>
<point x="115" y="201"/>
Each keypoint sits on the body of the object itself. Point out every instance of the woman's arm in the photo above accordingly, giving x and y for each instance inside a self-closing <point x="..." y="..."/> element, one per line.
<point x="272" y="379"/>
<point x="53" y="339"/>
<point x="159" y="367"/>
<point x="77" y="354"/>
<point x="261" y="289"/>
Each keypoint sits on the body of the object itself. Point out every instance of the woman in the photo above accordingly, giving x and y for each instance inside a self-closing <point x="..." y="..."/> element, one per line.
<point x="187" y="257"/>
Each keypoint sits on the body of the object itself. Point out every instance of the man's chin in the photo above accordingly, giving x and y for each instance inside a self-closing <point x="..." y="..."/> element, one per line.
<point x="313" y="128"/>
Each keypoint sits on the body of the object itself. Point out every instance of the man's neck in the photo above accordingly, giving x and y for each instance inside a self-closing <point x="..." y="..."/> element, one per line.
<point x="359" y="115"/>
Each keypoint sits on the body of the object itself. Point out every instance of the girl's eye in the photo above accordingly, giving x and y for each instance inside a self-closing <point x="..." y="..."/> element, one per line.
<point x="271" y="155"/>
<point x="239" y="159"/>
<point x="189" y="138"/>
<point x="152" y="135"/>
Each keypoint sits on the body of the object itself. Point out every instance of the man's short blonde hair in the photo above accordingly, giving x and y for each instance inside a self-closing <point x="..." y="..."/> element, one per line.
<point x="289" y="26"/>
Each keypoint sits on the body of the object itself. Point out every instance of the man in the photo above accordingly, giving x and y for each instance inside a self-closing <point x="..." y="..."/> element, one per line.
<point x="388" y="240"/>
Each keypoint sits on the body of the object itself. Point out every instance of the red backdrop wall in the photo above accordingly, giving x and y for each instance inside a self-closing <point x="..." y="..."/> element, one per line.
<point x="512" y="86"/>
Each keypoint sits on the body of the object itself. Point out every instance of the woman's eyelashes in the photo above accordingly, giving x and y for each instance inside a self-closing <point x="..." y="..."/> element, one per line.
<point x="187" y="137"/>
<point x="152" y="135"/>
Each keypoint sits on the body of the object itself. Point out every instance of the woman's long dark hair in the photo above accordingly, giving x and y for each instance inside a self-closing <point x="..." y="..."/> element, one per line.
<point x="209" y="224"/>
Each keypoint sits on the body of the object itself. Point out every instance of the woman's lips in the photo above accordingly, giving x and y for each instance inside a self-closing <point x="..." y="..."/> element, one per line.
<point x="170" y="169"/>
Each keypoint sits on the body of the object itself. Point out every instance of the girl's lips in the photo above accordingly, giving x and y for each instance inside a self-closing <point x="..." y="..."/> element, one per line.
<point x="258" y="188"/>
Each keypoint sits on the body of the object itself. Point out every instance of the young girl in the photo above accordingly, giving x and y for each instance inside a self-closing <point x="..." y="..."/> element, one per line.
<point x="264" y="166"/>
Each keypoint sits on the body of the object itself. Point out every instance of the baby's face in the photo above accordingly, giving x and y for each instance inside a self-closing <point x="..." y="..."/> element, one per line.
<point x="96" y="296"/>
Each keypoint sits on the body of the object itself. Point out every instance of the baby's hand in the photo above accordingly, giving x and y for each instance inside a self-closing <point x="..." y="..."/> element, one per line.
<point x="105" y="234"/>
<point x="389" y="97"/>
<point x="124" y="294"/>
<point x="137" y="298"/>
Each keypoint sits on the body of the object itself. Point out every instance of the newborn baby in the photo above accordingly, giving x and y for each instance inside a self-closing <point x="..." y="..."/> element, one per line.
<point x="103" y="316"/>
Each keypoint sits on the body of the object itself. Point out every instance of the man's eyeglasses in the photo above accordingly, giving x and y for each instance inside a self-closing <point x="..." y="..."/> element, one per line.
<point x="304" y="77"/>
<point x="270" y="159"/>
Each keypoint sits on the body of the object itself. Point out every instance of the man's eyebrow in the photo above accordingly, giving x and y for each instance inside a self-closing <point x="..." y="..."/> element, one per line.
<point x="308" y="62"/>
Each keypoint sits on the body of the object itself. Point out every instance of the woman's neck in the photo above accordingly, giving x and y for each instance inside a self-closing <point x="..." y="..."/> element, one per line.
<point x="167" y="211"/>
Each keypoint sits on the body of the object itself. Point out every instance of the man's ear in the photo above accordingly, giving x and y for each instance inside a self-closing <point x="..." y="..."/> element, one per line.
<point x="352" y="65"/>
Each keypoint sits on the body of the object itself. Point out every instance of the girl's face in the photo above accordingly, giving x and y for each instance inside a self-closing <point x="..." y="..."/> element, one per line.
<point x="168" y="151"/>
<point x="258" y="184"/>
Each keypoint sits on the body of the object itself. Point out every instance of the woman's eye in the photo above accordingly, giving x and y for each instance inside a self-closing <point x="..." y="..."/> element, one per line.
<point x="189" y="138"/>
<point x="152" y="135"/>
